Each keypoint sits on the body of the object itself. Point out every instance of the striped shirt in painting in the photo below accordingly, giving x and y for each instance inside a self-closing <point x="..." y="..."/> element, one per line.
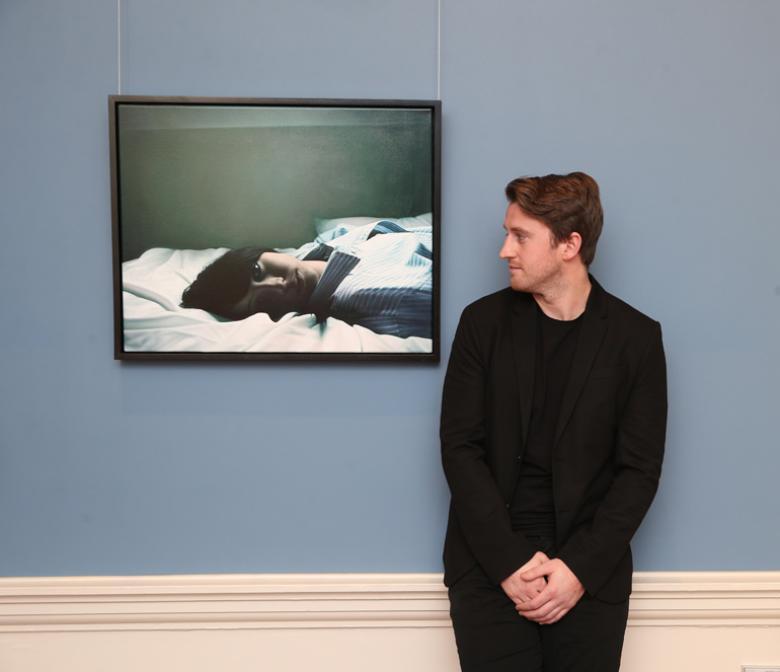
<point x="378" y="276"/>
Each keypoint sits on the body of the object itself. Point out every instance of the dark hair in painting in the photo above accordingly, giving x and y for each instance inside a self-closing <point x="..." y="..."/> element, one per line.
<point x="223" y="282"/>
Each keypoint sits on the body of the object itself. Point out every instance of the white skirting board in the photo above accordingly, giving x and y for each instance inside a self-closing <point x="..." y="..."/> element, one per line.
<point x="681" y="621"/>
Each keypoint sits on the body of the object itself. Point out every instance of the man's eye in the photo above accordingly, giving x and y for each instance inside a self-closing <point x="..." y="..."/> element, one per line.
<point x="257" y="272"/>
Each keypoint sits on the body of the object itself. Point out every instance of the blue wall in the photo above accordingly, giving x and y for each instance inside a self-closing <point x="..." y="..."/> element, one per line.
<point x="108" y="468"/>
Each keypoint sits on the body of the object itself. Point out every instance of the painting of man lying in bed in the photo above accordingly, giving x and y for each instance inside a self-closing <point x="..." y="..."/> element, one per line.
<point x="362" y="285"/>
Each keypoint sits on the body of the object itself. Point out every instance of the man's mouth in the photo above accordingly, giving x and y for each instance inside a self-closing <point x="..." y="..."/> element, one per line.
<point x="298" y="283"/>
<point x="292" y="284"/>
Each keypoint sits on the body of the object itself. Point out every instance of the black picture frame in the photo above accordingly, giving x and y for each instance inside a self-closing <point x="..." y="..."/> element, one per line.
<point x="192" y="178"/>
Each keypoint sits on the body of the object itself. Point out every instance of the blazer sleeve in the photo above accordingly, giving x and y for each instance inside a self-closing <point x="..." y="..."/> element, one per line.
<point x="480" y="510"/>
<point x="595" y="549"/>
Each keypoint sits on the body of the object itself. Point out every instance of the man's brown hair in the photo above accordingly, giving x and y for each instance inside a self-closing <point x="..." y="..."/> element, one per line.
<point x="565" y="203"/>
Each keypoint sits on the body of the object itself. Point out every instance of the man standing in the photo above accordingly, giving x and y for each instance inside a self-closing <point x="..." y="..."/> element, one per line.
<point x="552" y="428"/>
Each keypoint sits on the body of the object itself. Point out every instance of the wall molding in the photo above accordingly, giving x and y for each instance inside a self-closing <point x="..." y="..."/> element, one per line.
<point x="343" y="601"/>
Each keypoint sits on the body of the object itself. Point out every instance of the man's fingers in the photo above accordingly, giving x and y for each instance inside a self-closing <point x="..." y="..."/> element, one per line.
<point x="537" y="608"/>
<point x="554" y="616"/>
<point x="540" y="614"/>
<point x="522" y="595"/>
<point x="536" y="572"/>
<point x="517" y="598"/>
<point x="542" y="598"/>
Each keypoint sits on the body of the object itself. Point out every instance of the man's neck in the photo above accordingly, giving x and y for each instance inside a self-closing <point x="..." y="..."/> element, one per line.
<point x="567" y="299"/>
<point x="317" y="266"/>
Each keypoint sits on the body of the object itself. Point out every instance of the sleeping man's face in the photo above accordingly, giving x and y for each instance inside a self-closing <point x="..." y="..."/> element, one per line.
<point x="279" y="284"/>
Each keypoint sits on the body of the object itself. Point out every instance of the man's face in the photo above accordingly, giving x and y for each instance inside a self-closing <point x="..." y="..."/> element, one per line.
<point x="280" y="284"/>
<point x="535" y="260"/>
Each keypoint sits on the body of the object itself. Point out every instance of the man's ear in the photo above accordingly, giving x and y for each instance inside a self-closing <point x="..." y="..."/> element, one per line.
<point x="572" y="246"/>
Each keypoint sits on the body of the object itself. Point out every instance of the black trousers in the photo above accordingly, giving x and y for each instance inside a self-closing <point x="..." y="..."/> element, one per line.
<point x="493" y="637"/>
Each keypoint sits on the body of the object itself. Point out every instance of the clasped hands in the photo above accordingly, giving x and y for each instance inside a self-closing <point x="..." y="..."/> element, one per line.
<point x="543" y="590"/>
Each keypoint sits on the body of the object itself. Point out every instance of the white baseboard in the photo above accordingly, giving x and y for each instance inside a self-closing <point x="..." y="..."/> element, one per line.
<point x="709" y="621"/>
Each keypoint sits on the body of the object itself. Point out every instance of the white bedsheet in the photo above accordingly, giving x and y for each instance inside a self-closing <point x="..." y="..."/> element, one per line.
<point x="153" y="321"/>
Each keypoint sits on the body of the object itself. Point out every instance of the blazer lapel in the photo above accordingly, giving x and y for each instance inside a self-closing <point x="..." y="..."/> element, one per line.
<point x="594" y="327"/>
<point x="524" y="341"/>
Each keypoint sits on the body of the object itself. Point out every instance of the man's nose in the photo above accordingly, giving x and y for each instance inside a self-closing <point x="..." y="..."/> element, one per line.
<point x="505" y="252"/>
<point x="277" y="283"/>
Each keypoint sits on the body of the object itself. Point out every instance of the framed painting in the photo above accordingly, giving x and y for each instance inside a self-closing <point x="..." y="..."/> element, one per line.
<point x="275" y="229"/>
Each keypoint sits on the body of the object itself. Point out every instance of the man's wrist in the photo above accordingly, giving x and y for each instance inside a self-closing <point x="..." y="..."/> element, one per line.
<point x="572" y="565"/>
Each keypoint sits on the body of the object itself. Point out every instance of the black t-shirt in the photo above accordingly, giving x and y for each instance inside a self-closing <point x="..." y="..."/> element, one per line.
<point x="532" y="509"/>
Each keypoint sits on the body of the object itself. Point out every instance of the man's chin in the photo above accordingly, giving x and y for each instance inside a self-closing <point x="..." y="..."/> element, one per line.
<point x="518" y="285"/>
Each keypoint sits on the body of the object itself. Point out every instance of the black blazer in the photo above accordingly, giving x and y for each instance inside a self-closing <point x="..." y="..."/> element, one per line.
<point x="609" y="440"/>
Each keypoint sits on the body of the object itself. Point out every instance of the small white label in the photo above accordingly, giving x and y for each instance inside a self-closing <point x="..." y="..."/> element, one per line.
<point x="753" y="668"/>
